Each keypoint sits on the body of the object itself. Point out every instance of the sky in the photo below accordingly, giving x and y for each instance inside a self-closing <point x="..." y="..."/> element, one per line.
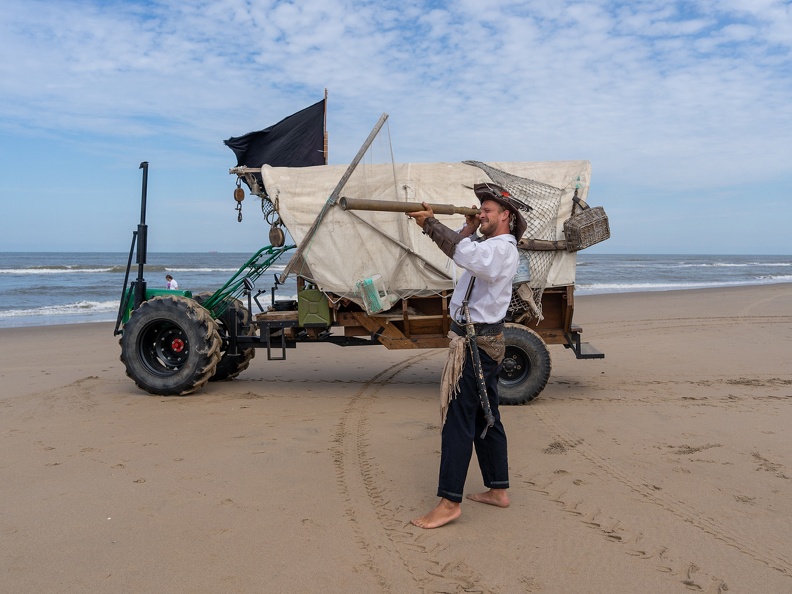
<point x="683" y="108"/>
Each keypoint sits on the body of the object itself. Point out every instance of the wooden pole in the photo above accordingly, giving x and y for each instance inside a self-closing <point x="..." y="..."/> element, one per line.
<point x="394" y="206"/>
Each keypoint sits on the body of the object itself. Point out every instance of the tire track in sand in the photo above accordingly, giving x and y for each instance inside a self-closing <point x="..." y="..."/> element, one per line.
<point x="378" y="524"/>
<point x="717" y="529"/>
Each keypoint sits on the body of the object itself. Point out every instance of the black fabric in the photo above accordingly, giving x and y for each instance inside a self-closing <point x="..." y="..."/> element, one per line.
<point x="295" y="141"/>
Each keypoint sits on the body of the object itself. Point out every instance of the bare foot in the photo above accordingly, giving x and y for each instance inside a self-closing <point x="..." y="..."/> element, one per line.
<point x="497" y="497"/>
<point x="445" y="512"/>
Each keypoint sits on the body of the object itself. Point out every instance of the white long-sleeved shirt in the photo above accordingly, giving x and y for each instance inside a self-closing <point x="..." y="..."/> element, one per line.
<point x="494" y="263"/>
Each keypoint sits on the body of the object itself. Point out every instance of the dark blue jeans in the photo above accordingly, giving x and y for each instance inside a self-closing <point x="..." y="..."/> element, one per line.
<point x="462" y="430"/>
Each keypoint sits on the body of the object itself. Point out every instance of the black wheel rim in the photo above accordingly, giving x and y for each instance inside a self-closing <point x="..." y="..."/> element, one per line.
<point x="164" y="348"/>
<point x="516" y="367"/>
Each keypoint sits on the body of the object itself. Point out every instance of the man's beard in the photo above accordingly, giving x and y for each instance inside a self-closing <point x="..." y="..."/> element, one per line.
<point x="488" y="228"/>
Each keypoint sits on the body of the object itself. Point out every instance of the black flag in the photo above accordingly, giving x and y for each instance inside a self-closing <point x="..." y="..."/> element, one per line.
<point x="295" y="141"/>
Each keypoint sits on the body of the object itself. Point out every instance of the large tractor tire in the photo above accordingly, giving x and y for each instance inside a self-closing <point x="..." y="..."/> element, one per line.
<point x="526" y="366"/>
<point x="170" y="346"/>
<point x="232" y="361"/>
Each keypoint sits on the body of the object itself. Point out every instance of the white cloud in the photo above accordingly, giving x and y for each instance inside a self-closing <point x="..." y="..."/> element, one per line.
<point x="678" y="95"/>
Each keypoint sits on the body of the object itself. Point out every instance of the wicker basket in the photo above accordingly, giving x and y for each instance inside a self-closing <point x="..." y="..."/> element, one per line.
<point x="586" y="228"/>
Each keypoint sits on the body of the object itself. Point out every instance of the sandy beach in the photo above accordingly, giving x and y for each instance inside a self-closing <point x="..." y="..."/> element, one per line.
<point x="665" y="467"/>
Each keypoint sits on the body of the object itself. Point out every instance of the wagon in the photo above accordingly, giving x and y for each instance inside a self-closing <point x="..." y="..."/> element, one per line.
<point x="365" y="274"/>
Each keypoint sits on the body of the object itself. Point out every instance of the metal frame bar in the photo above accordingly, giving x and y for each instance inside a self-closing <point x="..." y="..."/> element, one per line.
<point x="234" y="287"/>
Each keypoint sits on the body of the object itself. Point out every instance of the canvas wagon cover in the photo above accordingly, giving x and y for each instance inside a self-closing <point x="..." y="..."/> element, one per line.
<point x="349" y="246"/>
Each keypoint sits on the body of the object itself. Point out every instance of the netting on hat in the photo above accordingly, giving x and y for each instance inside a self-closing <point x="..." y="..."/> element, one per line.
<point x="542" y="202"/>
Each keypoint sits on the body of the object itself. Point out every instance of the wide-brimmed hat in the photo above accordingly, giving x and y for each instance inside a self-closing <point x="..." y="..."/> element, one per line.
<point x="490" y="191"/>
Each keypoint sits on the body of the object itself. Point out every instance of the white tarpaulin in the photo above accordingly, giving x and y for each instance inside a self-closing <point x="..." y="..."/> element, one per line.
<point x="349" y="246"/>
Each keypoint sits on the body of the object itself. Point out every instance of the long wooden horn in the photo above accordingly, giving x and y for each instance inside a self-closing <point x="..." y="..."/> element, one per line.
<point x="394" y="206"/>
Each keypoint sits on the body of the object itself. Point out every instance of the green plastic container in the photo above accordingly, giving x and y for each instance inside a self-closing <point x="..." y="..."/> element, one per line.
<point x="313" y="309"/>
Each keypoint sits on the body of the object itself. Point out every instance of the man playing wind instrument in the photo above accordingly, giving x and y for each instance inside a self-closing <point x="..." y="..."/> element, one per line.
<point x="489" y="263"/>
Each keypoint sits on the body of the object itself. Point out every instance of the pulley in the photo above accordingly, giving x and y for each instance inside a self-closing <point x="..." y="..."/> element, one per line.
<point x="239" y="196"/>
<point x="239" y="193"/>
<point x="276" y="236"/>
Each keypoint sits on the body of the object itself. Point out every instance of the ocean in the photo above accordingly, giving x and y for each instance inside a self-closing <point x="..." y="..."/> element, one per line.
<point x="39" y="288"/>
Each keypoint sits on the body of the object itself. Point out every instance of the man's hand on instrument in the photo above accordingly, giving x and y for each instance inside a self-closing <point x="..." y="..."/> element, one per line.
<point x="472" y="223"/>
<point x="420" y="216"/>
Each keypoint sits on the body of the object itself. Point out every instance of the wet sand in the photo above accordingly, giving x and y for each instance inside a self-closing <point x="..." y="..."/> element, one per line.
<point x="665" y="467"/>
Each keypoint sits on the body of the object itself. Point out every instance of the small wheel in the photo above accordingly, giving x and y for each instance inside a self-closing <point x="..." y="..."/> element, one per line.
<point x="170" y="346"/>
<point x="233" y="361"/>
<point x="526" y="366"/>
